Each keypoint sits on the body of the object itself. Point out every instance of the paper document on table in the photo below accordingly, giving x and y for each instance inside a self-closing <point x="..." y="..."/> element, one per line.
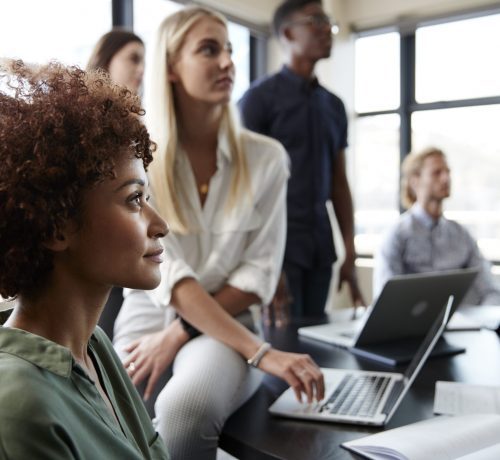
<point x="488" y="453"/>
<point x="465" y="437"/>
<point x="452" y="398"/>
<point x="461" y="322"/>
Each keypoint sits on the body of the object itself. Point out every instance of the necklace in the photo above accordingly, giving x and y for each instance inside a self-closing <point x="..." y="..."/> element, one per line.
<point x="203" y="189"/>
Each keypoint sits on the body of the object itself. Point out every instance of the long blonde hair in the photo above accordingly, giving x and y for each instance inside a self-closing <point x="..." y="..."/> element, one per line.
<point x="162" y="123"/>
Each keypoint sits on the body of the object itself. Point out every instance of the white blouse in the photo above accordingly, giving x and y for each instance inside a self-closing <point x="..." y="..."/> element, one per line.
<point x="242" y="247"/>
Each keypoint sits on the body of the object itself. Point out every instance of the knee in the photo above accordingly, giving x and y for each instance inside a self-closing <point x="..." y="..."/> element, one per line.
<point x="190" y="411"/>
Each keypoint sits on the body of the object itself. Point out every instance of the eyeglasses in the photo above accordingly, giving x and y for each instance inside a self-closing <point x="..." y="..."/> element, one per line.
<point x="317" y="21"/>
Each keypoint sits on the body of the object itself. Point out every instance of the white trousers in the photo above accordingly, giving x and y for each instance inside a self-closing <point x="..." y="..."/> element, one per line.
<point x="209" y="382"/>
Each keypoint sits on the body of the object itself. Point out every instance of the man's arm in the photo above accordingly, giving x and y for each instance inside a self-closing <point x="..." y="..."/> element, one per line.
<point x="343" y="206"/>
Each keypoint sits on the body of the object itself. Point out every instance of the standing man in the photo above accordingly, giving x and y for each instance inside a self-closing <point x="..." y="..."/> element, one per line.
<point x="423" y="240"/>
<point x="292" y="107"/>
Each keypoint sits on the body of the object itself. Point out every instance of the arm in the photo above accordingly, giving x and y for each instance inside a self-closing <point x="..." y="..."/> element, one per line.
<point x="234" y="300"/>
<point x="388" y="260"/>
<point x="201" y="310"/>
<point x="485" y="290"/>
<point x="342" y="203"/>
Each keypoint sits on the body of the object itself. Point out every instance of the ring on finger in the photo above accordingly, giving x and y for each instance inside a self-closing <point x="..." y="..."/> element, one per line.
<point x="131" y="367"/>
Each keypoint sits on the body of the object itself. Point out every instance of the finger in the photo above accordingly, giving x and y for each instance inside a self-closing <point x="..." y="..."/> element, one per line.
<point x="318" y="381"/>
<point x="308" y="373"/>
<point x="295" y="383"/>
<point x="141" y="372"/>
<point x="307" y="384"/>
<point x="153" y="378"/>
<point x="132" y="345"/>
<point x="132" y="357"/>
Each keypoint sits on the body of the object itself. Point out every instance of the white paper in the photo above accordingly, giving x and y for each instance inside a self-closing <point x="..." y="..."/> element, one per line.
<point x="489" y="453"/>
<point x="452" y="398"/>
<point x="440" y="438"/>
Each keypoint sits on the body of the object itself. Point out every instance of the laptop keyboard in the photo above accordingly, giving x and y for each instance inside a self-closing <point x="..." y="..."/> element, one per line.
<point x="357" y="395"/>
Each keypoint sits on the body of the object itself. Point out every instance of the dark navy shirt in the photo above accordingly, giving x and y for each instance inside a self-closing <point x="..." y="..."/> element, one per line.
<point x="311" y="123"/>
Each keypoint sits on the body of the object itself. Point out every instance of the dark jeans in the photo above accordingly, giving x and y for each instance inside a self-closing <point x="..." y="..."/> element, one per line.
<point x="309" y="289"/>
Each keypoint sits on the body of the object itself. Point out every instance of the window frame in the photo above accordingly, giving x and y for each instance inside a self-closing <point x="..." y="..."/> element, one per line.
<point x="408" y="103"/>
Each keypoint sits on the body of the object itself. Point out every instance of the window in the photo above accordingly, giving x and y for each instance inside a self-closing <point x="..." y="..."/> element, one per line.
<point x="148" y="16"/>
<point x="454" y="104"/>
<point x="458" y="60"/>
<point x="65" y="30"/>
<point x="377" y="72"/>
<point x="376" y="137"/>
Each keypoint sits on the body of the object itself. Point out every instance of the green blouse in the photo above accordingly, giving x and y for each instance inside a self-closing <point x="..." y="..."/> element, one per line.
<point x="50" y="409"/>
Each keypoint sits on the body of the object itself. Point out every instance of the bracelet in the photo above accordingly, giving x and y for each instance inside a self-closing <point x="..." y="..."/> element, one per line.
<point x="255" y="359"/>
<point x="191" y="331"/>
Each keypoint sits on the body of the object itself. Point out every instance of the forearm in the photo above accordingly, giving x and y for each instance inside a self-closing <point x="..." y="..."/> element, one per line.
<point x="344" y="211"/>
<point x="343" y="205"/>
<point x="201" y="310"/>
<point x="234" y="300"/>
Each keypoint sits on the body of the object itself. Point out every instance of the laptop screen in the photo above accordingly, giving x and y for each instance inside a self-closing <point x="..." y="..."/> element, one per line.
<point x="421" y="356"/>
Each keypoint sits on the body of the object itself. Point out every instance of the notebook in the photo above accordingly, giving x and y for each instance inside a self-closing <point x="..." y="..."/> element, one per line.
<point x="362" y="397"/>
<point x="391" y="330"/>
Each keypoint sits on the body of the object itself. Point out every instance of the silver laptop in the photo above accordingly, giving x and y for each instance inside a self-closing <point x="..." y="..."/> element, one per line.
<point x="405" y="309"/>
<point x="362" y="397"/>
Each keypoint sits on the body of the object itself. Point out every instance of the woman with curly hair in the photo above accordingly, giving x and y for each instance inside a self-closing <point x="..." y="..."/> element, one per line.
<point x="222" y="190"/>
<point x="74" y="221"/>
<point x="120" y="53"/>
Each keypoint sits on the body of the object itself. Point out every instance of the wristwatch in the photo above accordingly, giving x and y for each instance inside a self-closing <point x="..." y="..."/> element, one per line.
<point x="191" y="331"/>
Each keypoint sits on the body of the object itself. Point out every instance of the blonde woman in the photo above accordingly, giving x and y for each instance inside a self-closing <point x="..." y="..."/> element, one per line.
<point x="222" y="190"/>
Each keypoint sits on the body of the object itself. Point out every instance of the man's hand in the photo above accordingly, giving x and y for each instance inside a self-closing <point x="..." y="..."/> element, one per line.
<point x="348" y="274"/>
<point x="152" y="354"/>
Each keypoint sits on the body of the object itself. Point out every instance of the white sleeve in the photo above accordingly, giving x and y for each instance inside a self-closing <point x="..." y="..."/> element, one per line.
<point x="260" y="266"/>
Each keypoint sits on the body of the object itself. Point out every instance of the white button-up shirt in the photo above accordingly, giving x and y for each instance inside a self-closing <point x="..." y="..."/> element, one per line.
<point x="242" y="247"/>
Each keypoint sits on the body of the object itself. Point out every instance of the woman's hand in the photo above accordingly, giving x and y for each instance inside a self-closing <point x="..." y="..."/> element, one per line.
<point x="298" y="370"/>
<point x="152" y="354"/>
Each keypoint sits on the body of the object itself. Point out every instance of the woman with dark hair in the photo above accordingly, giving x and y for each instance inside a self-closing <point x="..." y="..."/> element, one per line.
<point x="74" y="221"/>
<point x="121" y="54"/>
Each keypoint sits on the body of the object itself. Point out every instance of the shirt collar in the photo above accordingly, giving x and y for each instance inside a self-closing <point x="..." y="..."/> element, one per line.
<point x="423" y="216"/>
<point x="298" y="81"/>
<point x="38" y="350"/>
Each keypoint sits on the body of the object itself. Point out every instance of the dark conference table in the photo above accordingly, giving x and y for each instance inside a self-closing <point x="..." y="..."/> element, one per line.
<point x="254" y="434"/>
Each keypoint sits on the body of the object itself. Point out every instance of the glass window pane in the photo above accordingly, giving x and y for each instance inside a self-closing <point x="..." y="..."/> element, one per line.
<point x="240" y="39"/>
<point x="147" y="18"/>
<point x="471" y="140"/>
<point x="376" y="79"/>
<point x="458" y="60"/>
<point x="375" y="178"/>
<point x="65" y="30"/>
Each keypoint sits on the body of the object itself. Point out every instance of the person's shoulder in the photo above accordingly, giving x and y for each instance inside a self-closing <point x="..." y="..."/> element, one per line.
<point x="333" y="100"/>
<point x="263" y="150"/>
<point x="458" y="228"/>
<point x="256" y="144"/>
<point x="24" y="389"/>
<point x="263" y="85"/>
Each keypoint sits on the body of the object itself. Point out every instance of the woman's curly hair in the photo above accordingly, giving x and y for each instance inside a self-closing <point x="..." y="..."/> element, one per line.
<point x="61" y="132"/>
